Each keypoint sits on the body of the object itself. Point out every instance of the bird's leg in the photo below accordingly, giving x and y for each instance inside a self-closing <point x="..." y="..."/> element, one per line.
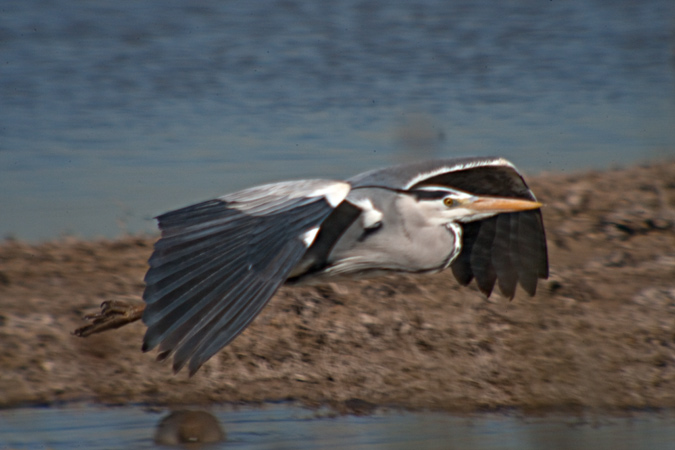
<point x="114" y="314"/>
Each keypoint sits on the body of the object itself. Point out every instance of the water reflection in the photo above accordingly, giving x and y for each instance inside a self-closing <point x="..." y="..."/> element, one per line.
<point x="189" y="428"/>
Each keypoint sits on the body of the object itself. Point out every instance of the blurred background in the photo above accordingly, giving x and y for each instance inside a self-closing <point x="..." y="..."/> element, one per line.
<point x="112" y="112"/>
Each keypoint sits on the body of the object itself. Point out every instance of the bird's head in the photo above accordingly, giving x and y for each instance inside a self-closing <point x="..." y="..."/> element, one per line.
<point x="443" y="205"/>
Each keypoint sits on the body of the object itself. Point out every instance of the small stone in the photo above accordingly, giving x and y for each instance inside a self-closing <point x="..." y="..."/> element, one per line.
<point x="367" y="319"/>
<point x="302" y="378"/>
<point x="658" y="298"/>
<point x="577" y="198"/>
<point x="618" y="259"/>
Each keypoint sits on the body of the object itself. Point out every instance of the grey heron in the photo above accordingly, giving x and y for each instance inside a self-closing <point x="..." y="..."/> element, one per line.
<point x="219" y="262"/>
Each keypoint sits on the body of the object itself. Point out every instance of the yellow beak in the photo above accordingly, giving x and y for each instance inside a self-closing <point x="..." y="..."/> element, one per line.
<point x="501" y="204"/>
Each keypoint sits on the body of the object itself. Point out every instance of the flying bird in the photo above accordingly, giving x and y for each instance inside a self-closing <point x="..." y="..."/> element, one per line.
<point x="219" y="262"/>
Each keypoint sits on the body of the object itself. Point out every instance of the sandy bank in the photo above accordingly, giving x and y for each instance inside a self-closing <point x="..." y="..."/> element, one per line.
<point x="599" y="334"/>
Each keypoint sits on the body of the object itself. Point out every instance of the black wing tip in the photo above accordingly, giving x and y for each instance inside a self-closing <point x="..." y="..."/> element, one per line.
<point x="163" y="355"/>
<point x="462" y="272"/>
<point x="486" y="289"/>
<point x="531" y="290"/>
<point x="508" y="293"/>
<point x="544" y="272"/>
<point x="177" y="365"/>
<point x="194" y="367"/>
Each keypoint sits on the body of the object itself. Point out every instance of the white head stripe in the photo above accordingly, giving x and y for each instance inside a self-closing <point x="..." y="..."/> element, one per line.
<point x="455" y="168"/>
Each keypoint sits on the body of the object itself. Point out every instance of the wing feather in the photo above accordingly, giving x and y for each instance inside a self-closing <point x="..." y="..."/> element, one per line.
<point x="481" y="258"/>
<point x="461" y="266"/>
<point x="227" y="324"/>
<point x="531" y="264"/>
<point x="507" y="275"/>
<point x="219" y="262"/>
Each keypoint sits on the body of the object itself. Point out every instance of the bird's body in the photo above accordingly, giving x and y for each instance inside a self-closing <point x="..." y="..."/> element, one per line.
<point x="219" y="262"/>
<point x="404" y="248"/>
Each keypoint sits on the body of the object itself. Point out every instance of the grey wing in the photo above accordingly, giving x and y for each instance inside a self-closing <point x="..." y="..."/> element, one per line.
<point x="219" y="262"/>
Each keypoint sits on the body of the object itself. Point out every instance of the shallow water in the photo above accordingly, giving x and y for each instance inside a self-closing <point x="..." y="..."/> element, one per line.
<point x="292" y="427"/>
<point x="116" y="111"/>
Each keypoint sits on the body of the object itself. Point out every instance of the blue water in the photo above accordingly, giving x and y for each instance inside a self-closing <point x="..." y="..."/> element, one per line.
<point x="114" y="111"/>
<point x="288" y="427"/>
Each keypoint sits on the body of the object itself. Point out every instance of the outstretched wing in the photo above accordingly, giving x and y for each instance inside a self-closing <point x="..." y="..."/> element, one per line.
<point x="507" y="249"/>
<point x="219" y="262"/>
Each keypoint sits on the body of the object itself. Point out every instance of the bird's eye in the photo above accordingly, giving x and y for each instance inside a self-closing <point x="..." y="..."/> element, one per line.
<point x="448" y="201"/>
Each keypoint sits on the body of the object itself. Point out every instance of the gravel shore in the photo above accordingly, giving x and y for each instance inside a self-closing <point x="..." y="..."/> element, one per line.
<point x="599" y="334"/>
